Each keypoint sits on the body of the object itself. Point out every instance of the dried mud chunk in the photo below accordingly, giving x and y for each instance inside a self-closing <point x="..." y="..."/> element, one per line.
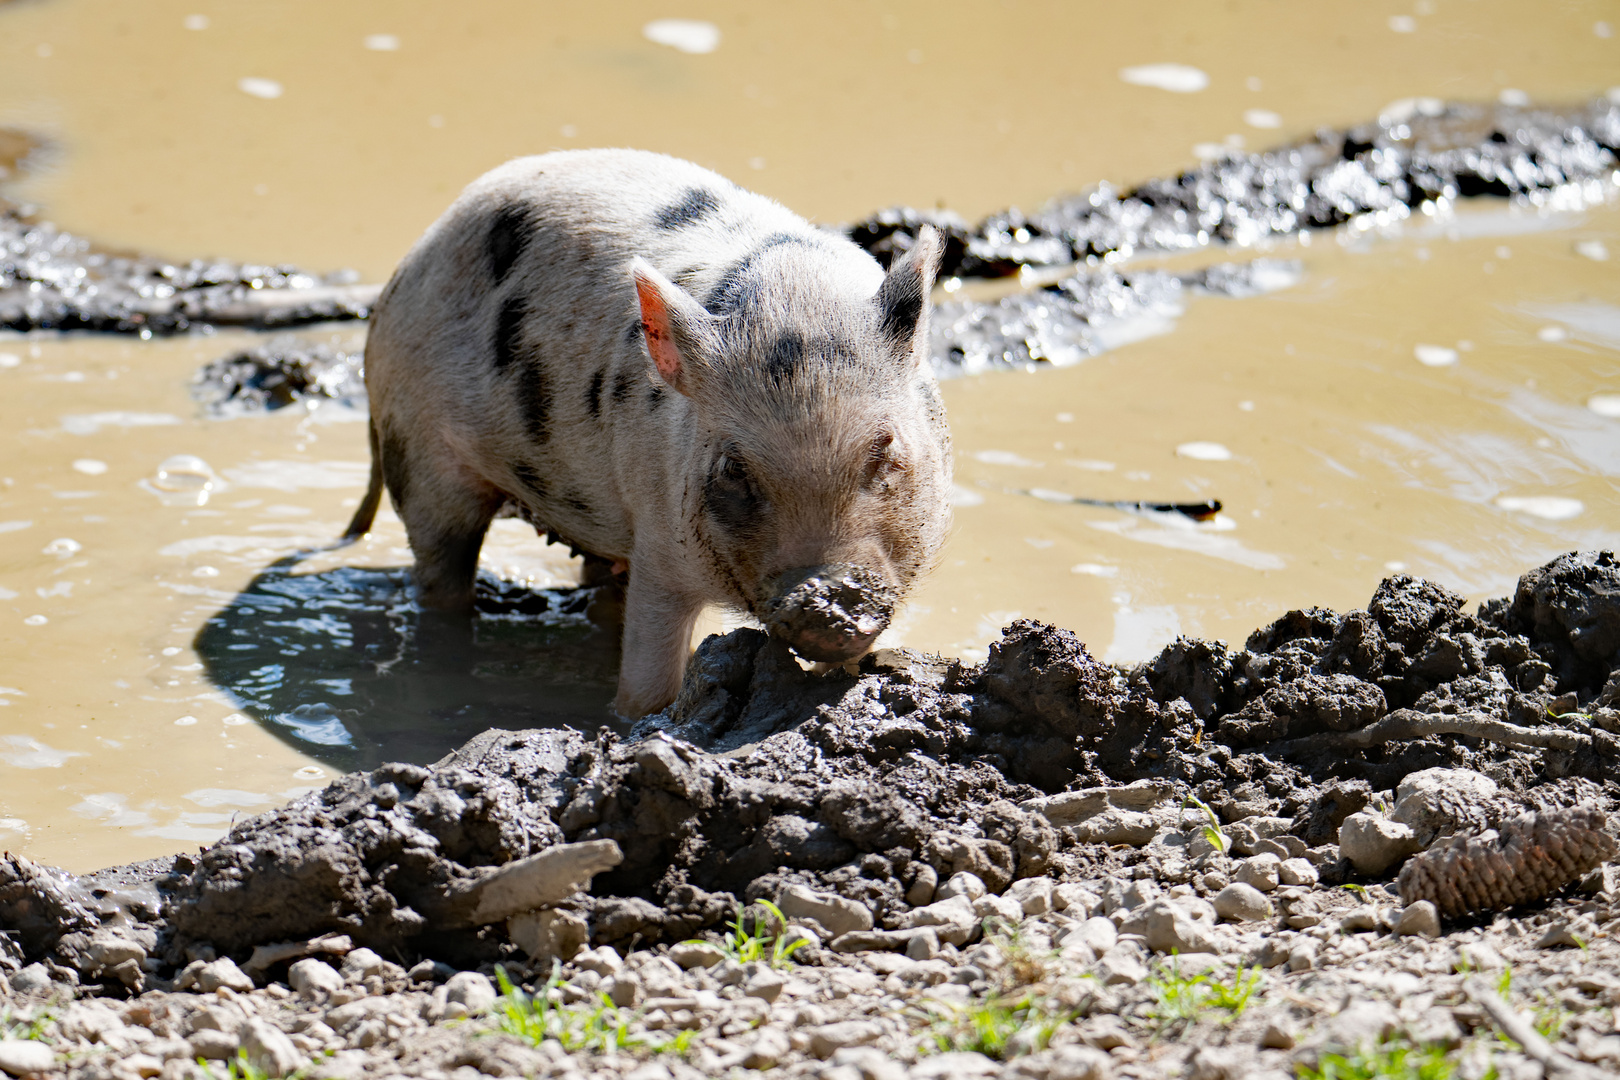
<point x="1574" y="601"/>
<point x="1319" y="823"/>
<point x="1306" y="705"/>
<point x="1411" y="610"/>
<point x="1316" y="625"/>
<point x="1047" y="673"/>
<point x="38" y="905"/>
<point x="1358" y="647"/>
<point x="874" y="818"/>
<point x="1200" y="672"/>
<point x="1030" y="836"/>
<point x="1532" y="856"/>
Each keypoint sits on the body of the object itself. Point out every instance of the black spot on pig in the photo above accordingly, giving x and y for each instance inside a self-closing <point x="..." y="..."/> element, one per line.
<point x="785" y="358"/>
<point x="655" y="397"/>
<point x="693" y="206"/>
<point x="736" y="291"/>
<point x="534" y="398"/>
<point x="531" y="479"/>
<point x="508" y="235"/>
<point x="621" y="388"/>
<point x="508" y="340"/>
<point x="593" y="395"/>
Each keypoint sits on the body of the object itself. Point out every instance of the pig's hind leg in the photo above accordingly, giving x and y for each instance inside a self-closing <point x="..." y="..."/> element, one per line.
<point x="446" y="510"/>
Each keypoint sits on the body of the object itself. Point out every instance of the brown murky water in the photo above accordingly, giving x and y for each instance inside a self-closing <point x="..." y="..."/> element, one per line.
<point x="130" y="723"/>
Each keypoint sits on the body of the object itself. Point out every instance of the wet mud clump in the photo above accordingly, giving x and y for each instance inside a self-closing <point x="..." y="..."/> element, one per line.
<point x="876" y="781"/>
<point x="280" y="372"/>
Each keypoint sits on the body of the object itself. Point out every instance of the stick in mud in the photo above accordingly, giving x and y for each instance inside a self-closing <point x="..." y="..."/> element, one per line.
<point x="1198" y="511"/>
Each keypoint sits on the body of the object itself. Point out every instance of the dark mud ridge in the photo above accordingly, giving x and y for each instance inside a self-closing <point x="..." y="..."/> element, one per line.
<point x="878" y="783"/>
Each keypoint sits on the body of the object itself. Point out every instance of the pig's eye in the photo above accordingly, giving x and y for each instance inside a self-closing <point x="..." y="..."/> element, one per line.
<point x="730" y="495"/>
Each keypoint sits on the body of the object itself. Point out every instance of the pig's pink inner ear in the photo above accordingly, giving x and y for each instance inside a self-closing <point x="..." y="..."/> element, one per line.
<point x="656" y="328"/>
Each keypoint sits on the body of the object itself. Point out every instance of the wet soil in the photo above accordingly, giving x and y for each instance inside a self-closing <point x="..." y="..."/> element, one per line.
<point x="763" y="774"/>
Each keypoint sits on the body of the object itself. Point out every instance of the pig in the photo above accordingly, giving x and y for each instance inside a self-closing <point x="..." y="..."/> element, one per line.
<point x="662" y="369"/>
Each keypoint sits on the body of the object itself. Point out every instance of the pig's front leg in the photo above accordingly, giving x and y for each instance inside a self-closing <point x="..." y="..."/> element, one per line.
<point x="658" y="622"/>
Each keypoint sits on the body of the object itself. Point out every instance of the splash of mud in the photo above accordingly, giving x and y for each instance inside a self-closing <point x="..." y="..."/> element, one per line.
<point x="763" y="774"/>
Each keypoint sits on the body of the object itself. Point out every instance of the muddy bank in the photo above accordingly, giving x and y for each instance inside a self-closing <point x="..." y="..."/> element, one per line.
<point x="878" y="781"/>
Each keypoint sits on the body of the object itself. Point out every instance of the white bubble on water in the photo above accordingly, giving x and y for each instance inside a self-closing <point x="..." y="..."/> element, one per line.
<point x="185" y="721"/>
<point x="1403" y="24"/>
<point x="310" y="772"/>
<point x="1092" y="569"/>
<point x="1516" y="98"/>
<point x="1552" y="333"/>
<point x="253" y="86"/>
<point x="685" y="35"/>
<point x="961" y="496"/>
<point x="1605" y="404"/>
<point x="1005" y="457"/>
<point x="381" y="42"/>
<point x="1395" y="566"/>
<point x="195" y="22"/>
<point x="28" y="752"/>
<point x="62" y="547"/>
<point x="205" y="571"/>
<point x="1176" y="78"/>
<point x="1546" y="507"/>
<point x="35" y="620"/>
<point x="90" y="466"/>
<point x="1262" y="118"/>
<point x="236" y="719"/>
<point x="1434" y="355"/>
<point x="1596" y="250"/>
<point x="1204" y="451"/>
<point x="9" y="360"/>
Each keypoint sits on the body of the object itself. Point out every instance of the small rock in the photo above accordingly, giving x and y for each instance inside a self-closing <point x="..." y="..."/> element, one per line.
<point x="1219" y="1063"/>
<point x="1573" y="933"/>
<point x="549" y="934"/>
<point x="143" y="1065"/>
<point x="923" y="944"/>
<point x="1437" y="802"/>
<point x="361" y="964"/>
<point x="954" y="920"/>
<point x="1097" y="933"/>
<point x="21" y="1057"/>
<point x="948" y="1066"/>
<point x="869" y="1062"/>
<point x="1076" y="900"/>
<point x="838" y="914"/>
<point x="1120" y="967"/>
<point x="1362" y="1022"/>
<point x="696" y="954"/>
<point x="1072" y="1063"/>
<point x="1359" y="919"/>
<point x="965" y="884"/>
<point x="1241" y="902"/>
<point x="1033" y="894"/>
<point x="800" y="953"/>
<point x="1260" y="871"/>
<point x="222" y="972"/>
<point x="1421" y="918"/>
<point x="603" y="960"/>
<point x="269" y="1049"/>
<point x="1297" y="871"/>
<point x="1277" y="1037"/>
<point x="33" y="979"/>
<point x="763" y="983"/>
<point x="472" y="990"/>
<point x="213" y="1045"/>
<point x="1373" y="843"/>
<point x="653" y="1070"/>
<point x="1302" y="954"/>
<point x="314" y="979"/>
<point x="770" y="1046"/>
<point x="1106" y="1032"/>
<point x="1004" y="908"/>
<point x="921" y="890"/>
<point x="1167" y="928"/>
<point x="827" y="1038"/>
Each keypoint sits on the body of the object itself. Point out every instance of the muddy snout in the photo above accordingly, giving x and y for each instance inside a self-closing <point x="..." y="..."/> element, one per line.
<point x="829" y="613"/>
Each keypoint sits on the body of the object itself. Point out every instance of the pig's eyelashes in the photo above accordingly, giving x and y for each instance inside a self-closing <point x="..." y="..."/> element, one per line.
<point x="730" y="495"/>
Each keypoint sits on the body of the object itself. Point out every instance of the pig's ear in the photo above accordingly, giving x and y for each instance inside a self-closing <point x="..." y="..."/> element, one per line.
<point x="679" y="333"/>
<point x="903" y="299"/>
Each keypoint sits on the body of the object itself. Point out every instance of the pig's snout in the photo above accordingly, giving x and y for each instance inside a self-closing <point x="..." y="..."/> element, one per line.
<point x="830" y="613"/>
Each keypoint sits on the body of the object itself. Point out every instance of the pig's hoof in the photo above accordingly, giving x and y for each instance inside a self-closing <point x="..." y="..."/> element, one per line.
<point x="829" y="613"/>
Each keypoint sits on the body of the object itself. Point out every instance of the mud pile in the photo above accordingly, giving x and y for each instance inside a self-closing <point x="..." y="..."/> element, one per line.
<point x="876" y="781"/>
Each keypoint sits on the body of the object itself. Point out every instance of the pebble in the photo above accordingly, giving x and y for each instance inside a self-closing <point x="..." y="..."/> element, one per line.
<point x="826" y="1038"/>
<point x="1004" y="908"/>
<point x="965" y="884"/>
<point x="32" y="979"/>
<point x="270" y="1050"/>
<point x="213" y="1045"/>
<point x="1033" y="895"/>
<point x="222" y="972"/>
<point x="1373" y="843"/>
<point x="948" y="1066"/>
<point x="1242" y="902"/>
<point x="953" y="919"/>
<point x="838" y="914"/>
<point x="314" y="979"/>
<point x="921" y="890"/>
<point x="603" y="960"/>
<point x="1421" y="918"/>
<point x="361" y="964"/>
<point x="696" y="954"/>
<point x="1297" y="871"/>
<point x="471" y="990"/>
<point x="1259" y="871"/>
<point x="20" y="1057"/>
<point x="1167" y="928"/>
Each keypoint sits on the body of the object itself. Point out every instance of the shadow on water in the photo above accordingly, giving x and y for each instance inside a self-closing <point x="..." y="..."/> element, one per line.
<point x="345" y="667"/>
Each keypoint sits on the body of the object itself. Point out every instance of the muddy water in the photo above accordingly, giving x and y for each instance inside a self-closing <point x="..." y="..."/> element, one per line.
<point x="160" y="671"/>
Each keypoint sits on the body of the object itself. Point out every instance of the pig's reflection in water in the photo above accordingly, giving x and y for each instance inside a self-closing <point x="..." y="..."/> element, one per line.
<point x="345" y="667"/>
